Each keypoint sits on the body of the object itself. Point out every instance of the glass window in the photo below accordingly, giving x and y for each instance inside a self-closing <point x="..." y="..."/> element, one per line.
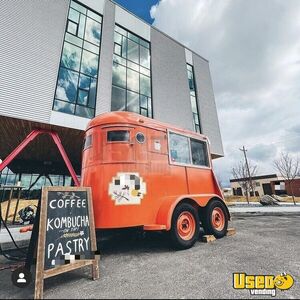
<point x="74" y="15"/>
<point x="87" y="142"/>
<point x="118" y="49"/>
<point x="78" y="7"/>
<point x="121" y="30"/>
<point x="118" y="136"/>
<point x="144" y="101"/>
<point x="92" y="31"/>
<point x="72" y="27"/>
<point x="133" y="51"/>
<point x="76" y="83"/>
<point x="145" y="85"/>
<point x="193" y="96"/>
<point x="119" y="75"/>
<point x="94" y="16"/>
<point x="118" y="38"/>
<point x="124" y="47"/>
<point x="194" y="105"/>
<point x="64" y="107"/>
<point x="89" y="63"/>
<point x="71" y="57"/>
<point x="145" y="43"/>
<point x="133" y="66"/>
<point x="84" y="82"/>
<point x="199" y="153"/>
<point x="131" y="71"/>
<point x="179" y="148"/>
<point x="140" y="137"/>
<point x="81" y="26"/>
<point x="73" y="39"/>
<point x="133" y="102"/>
<point x="83" y="97"/>
<point x="119" y="60"/>
<point x="67" y="85"/>
<point x="133" y="37"/>
<point x="91" y="47"/>
<point x="118" y="99"/>
<point x="92" y="94"/>
<point x="145" y="57"/>
<point x="133" y="80"/>
<point x="85" y="112"/>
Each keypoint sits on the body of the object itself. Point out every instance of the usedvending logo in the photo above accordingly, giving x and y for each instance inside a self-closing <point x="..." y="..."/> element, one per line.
<point x="127" y="189"/>
<point x="262" y="284"/>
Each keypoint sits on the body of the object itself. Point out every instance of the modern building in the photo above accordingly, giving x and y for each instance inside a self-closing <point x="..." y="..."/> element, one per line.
<point x="63" y="62"/>
<point x="270" y="184"/>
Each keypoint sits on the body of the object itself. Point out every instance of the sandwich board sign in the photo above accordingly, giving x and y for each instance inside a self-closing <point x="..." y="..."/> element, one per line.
<point x="66" y="239"/>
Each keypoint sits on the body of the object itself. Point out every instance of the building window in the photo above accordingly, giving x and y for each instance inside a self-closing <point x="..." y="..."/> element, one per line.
<point x="79" y="65"/>
<point x="193" y="96"/>
<point x="131" y="79"/>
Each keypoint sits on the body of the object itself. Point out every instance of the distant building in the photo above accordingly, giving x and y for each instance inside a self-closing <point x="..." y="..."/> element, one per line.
<point x="227" y="192"/>
<point x="268" y="185"/>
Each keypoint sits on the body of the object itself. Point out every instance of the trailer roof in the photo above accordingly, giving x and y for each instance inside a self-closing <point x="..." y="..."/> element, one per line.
<point x="130" y="118"/>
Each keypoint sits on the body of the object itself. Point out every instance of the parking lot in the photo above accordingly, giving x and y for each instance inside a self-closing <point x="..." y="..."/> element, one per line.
<point x="148" y="268"/>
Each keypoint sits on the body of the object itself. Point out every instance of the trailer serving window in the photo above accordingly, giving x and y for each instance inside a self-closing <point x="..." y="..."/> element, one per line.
<point x="187" y="151"/>
<point x="179" y="148"/>
<point x="118" y="136"/>
<point x="199" y="153"/>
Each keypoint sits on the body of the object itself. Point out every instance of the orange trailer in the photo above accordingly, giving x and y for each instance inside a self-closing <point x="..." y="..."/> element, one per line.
<point x="147" y="173"/>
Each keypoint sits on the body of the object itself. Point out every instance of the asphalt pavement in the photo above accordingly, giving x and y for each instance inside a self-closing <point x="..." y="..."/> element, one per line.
<point x="133" y="267"/>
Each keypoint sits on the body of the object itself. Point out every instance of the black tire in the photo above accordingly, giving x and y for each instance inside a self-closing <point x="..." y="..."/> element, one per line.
<point x="176" y="240"/>
<point x="206" y="219"/>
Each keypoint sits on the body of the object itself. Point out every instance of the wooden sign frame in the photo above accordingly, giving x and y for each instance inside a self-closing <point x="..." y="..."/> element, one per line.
<point x="42" y="274"/>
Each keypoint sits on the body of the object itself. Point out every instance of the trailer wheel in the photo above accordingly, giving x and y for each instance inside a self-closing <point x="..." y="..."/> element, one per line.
<point x="185" y="226"/>
<point x="215" y="219"/>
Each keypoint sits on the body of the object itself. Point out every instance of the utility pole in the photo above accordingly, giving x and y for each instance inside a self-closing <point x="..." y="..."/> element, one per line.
<point x="247" y="166"/>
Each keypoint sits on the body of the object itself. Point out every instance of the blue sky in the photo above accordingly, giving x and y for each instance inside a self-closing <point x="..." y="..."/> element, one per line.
<point x="140" y="8"/>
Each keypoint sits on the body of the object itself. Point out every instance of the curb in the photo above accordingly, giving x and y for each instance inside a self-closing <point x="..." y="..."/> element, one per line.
<point x="263" y="214"/>
<point x="7" y="246"/>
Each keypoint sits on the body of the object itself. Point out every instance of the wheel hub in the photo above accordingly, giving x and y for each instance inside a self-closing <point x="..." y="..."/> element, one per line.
<point x="218" y="219"/>
<point x="186" y="226"/>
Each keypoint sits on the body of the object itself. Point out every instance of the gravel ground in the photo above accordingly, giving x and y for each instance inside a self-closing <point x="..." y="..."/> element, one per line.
<point x="148" y="268"/>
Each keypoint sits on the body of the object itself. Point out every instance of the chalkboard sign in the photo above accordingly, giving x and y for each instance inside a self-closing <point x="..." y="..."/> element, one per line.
<point x="66" y="233"/>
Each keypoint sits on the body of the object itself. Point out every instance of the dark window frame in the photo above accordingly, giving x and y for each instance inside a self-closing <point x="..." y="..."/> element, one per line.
<point x="96" y="77"/>
<point x="195" y="94"/>
<point x="149" y="108"/>
<point x="190" y="165"/>
<point x="118" y="141"/>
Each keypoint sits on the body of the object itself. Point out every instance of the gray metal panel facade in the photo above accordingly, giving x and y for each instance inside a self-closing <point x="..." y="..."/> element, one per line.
<point x="171" y="94"/>
<point x="30" y="45"/>
<point x="106" y="58"/>
<point x="207" y="106"/>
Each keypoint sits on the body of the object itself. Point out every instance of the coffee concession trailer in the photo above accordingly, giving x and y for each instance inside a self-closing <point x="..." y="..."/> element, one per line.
<point x="145" y="173"/>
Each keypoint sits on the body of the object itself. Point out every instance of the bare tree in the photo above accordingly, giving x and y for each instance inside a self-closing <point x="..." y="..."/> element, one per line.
<point x="288" y="167"/>
<point x="241" y="174"/>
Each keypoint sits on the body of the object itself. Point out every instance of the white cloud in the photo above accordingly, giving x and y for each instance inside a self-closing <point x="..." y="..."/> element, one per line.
<point x="254" y="53"/>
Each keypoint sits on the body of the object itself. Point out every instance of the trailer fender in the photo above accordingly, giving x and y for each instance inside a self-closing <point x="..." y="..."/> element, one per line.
<point x="164" y="216"/>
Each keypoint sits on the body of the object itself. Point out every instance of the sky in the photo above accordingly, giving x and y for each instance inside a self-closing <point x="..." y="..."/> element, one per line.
<point x="253" y="48"/>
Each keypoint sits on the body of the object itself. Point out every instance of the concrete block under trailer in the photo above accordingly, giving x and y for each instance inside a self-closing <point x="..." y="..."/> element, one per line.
<point x="146" y="173"/>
